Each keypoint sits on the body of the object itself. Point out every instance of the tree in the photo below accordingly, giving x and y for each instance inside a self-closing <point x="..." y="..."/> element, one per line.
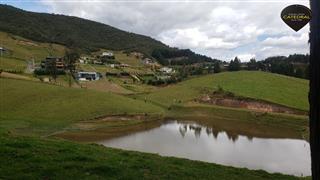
<point x="235" y="64"/>
<point x="52" y="68"/>
<point x="314" y="95"/>
<point x="216" y="67"/>
<point x="299" y="73"/>
<point x="70" y="58"/>
<point x="252" y="65"/>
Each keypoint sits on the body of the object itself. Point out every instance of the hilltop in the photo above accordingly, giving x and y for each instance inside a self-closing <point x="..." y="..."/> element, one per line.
<point x="85" y="34"/>
<point x="72" y="31"/>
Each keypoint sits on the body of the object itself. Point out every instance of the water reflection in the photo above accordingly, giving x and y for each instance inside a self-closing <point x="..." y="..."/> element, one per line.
<point x="196" y="130"/>
<point x="206" y="143"/>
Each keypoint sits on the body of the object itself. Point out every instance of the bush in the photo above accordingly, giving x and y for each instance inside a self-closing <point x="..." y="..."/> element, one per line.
<point x="40" y="72"/>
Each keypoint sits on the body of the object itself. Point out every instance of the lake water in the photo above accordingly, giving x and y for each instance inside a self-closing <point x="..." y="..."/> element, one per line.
<point x="197" y="142"/>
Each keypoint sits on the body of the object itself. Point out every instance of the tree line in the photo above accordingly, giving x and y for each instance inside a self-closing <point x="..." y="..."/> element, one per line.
<point x="176" y="56"/>
<point x="296" y="65"/>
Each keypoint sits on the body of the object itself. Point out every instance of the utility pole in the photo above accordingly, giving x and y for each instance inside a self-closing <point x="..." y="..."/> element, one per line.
<point x="314" y="93"/>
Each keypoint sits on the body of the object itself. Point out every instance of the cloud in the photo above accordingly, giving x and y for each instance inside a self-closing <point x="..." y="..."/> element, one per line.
<point x="287" y="41"/>
<point x="218" y="29"/>
<point x="246" y="57"/>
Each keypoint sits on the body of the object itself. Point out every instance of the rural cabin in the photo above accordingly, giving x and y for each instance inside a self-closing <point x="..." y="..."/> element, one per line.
<point x="137" y="55"/>
<point x="98" y="62"/>
<point x="88" y="76"/>
<point x="107" y="54"/>
<point x="85" y="60"/>
<point x="147" y="61"/>
<point x="49" y="62"/>
<point x="166" y="70"/>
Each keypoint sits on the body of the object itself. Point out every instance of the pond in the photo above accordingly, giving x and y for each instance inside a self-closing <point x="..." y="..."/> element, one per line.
<point x="191" y="140"/>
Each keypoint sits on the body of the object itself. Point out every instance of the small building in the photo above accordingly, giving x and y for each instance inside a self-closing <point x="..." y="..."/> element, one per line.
<point x="147" y="61"/>
<point x="2" y="49"/>
<point x="124" y="65"/>
<point x="98" y="62"/>
<point x="166" y="70"/>
<point x="84" y="60"/>
<point x="49" y="62"/>
<point x="107" y="54"/>
<point x="88" y="76"/>
<point x="114" y="65"/>
<point x="137" y="55"/>
<point x="81" y="61"/>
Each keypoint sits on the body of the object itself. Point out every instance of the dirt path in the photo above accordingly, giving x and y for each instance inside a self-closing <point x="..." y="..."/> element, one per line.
<point x="16" y="76"/>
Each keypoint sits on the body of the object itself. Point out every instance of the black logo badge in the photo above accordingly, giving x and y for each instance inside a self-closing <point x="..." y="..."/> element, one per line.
<point x="296" y="16"/>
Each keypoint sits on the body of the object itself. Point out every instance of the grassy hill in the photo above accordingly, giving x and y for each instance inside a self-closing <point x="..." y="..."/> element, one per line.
<point x="40" y="108"/>
<point x="87" y="35"/>
<point x="33" y="158"/>
<point x="34" y="108"/>
<point x="19" y="50"/>
<point x="72" y="31"/>
<point x="284" y="90"/>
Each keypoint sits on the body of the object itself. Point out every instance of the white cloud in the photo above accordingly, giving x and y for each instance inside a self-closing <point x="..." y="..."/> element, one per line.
<point x="246" y="57"/>
<point x="287" y="41"/>
<point x="217" y="29"/>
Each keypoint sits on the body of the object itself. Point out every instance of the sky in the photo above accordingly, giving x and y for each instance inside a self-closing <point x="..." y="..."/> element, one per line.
<point x="221" y="29"/>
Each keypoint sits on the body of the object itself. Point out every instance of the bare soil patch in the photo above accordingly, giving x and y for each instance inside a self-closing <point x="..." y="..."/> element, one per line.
<point x="229" y="100"/>
<point x="102" y="128"/>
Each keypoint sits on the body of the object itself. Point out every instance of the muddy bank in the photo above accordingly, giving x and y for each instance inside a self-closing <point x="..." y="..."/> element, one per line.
<point x="109" y="127"/>
<point x="229" y="100"/>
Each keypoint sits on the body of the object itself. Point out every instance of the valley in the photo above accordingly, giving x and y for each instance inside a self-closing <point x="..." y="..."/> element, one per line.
<point x="133" y="107"/>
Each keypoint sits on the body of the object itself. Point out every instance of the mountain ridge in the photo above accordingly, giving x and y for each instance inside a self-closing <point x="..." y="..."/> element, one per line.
<point x="73" y="31"/>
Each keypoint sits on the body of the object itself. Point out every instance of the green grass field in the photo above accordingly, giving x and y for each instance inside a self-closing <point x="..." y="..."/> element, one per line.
<point x="20" y="50"/>
<point x="34" y="158"/>
<point x="7" y="63"/>
<point x="38" y="109"/>
<point x="284" y="90"/>
<point x="32" y="107"/>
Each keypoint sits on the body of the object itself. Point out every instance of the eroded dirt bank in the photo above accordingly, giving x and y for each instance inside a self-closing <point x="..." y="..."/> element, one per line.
<point x="107" y="127"/>
<point x="229" y="100"/>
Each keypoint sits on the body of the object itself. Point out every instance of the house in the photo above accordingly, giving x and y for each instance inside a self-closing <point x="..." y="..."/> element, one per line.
<point x="98" y="62"/>
<point x="166" y="70"/>
<point x="137" y="55"/>
<point x="107" y="54"/>
<point x="114" y="65"/>
<point x="49" y="62"/>
<point x="81" y="61"/>
<point x="147" y="61"/>
<point x="88" y="76"/>
<point x="84" y="60"/>
<point x="124" y="65"/>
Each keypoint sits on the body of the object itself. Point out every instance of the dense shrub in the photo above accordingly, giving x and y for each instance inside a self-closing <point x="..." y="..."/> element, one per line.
<point x="40" y="72"/>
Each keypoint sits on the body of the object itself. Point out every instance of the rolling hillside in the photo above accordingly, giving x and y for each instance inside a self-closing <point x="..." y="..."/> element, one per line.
<point x="88" y="35"/>
<point x="41" y="108"/>
<point x="72" y="31"/>
<point x="284" y="90"/>
<point x="20" y="50"/>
